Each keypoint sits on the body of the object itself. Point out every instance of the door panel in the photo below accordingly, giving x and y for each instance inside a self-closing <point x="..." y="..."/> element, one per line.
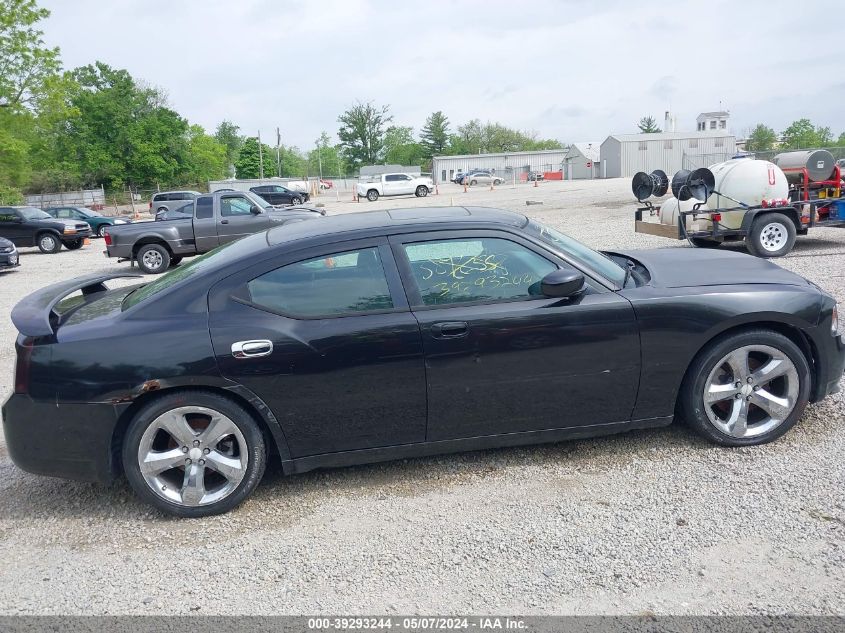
<point x="334" y="384"/>
<point x="236" y="220"/>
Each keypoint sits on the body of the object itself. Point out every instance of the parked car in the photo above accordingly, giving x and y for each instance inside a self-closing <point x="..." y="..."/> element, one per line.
<point x="96" y="220"/>
<point x="169" y="200"/>
<point x="216" y="218"/>
<point x="536" y="175"/>
<point x="8" y="255"/>
<point x="185" y="211"/>
<point x="395" y="185"/>
<point x="326" y="184"/>
<point x="480" y="328"/>
<point x="279" y="195"/>
<point x="28" y="226"/>
<point x="484" y="178"/>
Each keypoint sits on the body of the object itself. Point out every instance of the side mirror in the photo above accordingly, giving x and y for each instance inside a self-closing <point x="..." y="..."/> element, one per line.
<point x="255" y="210"/>
<point x="562" y="283"/>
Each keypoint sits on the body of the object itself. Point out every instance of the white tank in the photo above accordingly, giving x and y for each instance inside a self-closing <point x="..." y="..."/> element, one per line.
<point x="748" y="180"/>
<point x="670" y="208"/>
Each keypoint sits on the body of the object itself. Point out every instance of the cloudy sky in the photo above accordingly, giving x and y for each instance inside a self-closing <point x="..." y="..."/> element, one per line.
<point x="575" y="71"/>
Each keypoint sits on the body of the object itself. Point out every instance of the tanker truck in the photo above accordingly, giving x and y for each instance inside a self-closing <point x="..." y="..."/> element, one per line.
<point x="765" y="204"/>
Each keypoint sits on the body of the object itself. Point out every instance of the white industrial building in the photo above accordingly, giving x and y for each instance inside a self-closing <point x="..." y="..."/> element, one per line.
<point x="623" y="155"/>
<point x="582" y="161"/>
<point x="713" y="121"/>
<point x="507" y="164"/>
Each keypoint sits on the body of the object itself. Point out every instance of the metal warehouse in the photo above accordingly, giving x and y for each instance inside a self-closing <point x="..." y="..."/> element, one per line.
<point x="623" y="155"/>
<point x="507" y="164"/>
<point x="582" y="161"/>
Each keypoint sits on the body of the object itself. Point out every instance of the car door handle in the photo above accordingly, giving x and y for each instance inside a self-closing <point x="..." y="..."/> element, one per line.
<point x="449" y="329"/>
<point x="252" y="349"/>
<point x="224" y="221"/>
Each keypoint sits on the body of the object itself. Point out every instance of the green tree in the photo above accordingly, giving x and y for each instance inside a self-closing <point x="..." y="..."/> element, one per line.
<point x="434" y="137"/>
<point x="648" y="125"/>
<point x="400" y="147"/>
<point x="473" y="137"/>
<point x="294" y="164"/>
<point x="25" y="62"/>
<point x="841" y="140"/>
<point x="206" y="157"/>
<point x="325" y="159"/>
<point x="761" y="139"/>
<point x="247" y="163"/>
<point x="802" y="134"/>
<point x="361" y="133"/>
<point x="227" y="135"/>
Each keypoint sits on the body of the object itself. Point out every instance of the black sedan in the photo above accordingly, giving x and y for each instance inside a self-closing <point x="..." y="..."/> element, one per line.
<point x="8" y="255"/>
<point x="392" y="334"/>
<point x="278" y="195"/>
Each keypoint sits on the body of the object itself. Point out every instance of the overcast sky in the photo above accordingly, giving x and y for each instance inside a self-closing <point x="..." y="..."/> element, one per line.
<point x="575" y="71"/>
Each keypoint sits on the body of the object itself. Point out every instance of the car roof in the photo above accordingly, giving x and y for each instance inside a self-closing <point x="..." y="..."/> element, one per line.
<point x="396" y="221"/>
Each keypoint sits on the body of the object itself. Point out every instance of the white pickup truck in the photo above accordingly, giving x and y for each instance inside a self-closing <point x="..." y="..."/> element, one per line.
<point x="395" y="185"/>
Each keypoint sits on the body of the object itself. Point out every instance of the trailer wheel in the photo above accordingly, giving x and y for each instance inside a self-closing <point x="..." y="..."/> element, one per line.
<point x="702" y="242"/>
<point x="771" y="235"/>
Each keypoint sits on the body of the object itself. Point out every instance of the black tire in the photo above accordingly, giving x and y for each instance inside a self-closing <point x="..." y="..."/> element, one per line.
<point x="161" y="210"/>
<point x="768" y="231"/>
<point x="421" y="192"/>
<point x="48" y="243"/>
<point x="101" y="230"/>
<point x="372" y="195"/>
<point x="702" y="242"/>
<point x="75" y="245"/>
<point x="473" y="182"/>
<point x="175" y="260"/>
<point x="255" y="449"/>
<point x="296" y="200"/>
<point x="153" y="259"/>
<point x="691" y="398"/>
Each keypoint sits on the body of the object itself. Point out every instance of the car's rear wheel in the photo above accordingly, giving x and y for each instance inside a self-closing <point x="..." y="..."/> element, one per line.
<point x="75" y="244"/>
<point x="49" y="243"/>
<point x="175" y="260"/>
<point x="473" y="182"/>
<point x="372" y="195"/>
<point x="747" y="388"/>
<point x="422" y="191"/>
<point x="101" y="231"/>
<point x="153" y="259"/>
<point x="771" y="235"/>
<point x="194" y="454"/>
<point x="161" y="209"/>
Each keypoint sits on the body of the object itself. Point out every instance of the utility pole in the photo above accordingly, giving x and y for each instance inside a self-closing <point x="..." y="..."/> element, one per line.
<point x="320" y="157"/>
<point x="260" y="158"/>
<point x="278" y="153"/>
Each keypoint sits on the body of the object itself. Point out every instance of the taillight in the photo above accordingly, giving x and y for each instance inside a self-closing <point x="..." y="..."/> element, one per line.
<point x="716" y="217"/>
<point x="22" y="367"/>
<point x="107" y="238"/>
<point x="151" y="205"/>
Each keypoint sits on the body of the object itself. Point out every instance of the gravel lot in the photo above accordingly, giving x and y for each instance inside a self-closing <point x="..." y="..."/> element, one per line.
<point x="657" y="521"/>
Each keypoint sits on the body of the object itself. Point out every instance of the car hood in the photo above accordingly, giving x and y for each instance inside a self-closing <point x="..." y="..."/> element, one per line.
<point x="687" y="267"/>
<point x="71" y="223"/>
<point x="294" y="212"/>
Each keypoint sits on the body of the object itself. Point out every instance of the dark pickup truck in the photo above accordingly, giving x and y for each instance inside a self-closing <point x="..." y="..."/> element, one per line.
<point x="217" y="218"/>
<point x="28" y="226"/>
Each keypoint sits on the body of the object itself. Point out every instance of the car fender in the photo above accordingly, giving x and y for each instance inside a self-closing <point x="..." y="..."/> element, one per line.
<point x="753" y="214"/>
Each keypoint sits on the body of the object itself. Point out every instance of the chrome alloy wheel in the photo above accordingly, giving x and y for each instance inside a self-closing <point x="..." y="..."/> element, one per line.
<point x="751" y="391"/>
<point x="47" y="243"/>
<point x="152" y="259"/>
<point x="193" y="456"/>
<point x="774" y="236"/>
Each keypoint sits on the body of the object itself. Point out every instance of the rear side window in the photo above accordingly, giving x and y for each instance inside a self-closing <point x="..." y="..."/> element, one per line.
<point x="328" y="286"/>
<point x="160" y="197"/>
<point x="205" y="207"/>
<point x="483" y="269"/>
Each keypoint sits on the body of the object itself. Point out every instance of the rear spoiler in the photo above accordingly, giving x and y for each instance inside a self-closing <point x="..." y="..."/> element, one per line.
<point x="31" y="316"/>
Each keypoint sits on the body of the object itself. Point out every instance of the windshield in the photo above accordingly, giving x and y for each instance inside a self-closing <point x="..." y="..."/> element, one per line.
<point x="602" y="264"/>
<point x="31" y="213"/>
<point x="257" y="200"/>
<point x="195" y="265"/>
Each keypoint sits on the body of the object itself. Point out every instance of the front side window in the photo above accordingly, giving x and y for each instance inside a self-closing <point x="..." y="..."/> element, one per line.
<point x="327" y="286"/>
<point x="391" y="178"/>
<point x="235" y="205"/>
<point x="475" y="269"/>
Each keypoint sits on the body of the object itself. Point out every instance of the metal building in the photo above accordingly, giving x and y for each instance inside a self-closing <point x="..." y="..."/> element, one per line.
<point x="368" y="171"/>
<point x="623" y="155"/>
<point x="582" y="161"/>
<point x="508" y="165"/>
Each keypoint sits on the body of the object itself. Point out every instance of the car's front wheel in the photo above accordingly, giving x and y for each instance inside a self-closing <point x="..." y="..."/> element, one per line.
<point x="194" y="454"/>
<point x="49" y="243"/>
<point x="422" y="191"/>
<point x="746" y="388"/>
<point x="153" y="259"/>
<point x="296" y="200"/>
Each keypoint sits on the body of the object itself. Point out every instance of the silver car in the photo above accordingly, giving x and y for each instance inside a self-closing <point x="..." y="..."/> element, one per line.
<point x="483" y="178"/>
<point x="171" y="200"/>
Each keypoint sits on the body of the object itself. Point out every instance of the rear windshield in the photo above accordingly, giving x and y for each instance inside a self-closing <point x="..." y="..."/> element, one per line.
<point x="220" y="256"/>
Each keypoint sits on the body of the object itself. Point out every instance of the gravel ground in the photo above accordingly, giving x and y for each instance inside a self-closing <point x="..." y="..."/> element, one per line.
<point x="648" y="522"/>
